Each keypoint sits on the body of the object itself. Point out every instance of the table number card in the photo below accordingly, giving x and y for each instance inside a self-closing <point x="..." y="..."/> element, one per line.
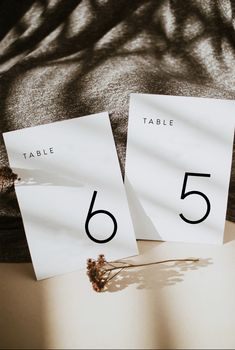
<point x="71" y="194"/>
<point x="178" y="165"/>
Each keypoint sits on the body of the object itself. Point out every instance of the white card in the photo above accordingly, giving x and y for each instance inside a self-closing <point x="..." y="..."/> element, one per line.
<point x="176" y="146"/>
<point x="69" y="170"/>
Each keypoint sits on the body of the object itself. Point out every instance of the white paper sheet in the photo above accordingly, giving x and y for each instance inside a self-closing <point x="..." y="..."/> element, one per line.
<point x="174" y="141"/>
<point x="63" y="166"/>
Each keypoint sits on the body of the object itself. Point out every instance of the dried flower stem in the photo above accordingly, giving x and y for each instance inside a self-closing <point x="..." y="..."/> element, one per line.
<point x="149" y="264"/>
<point x="100" y="271"/>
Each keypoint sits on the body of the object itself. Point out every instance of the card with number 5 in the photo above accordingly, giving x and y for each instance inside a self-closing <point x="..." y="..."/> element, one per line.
<point x="178" y="165"/>
<point x="71" y="194"/>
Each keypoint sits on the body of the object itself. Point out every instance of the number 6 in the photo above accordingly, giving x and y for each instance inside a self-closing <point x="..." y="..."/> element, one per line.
<point x="91" y="214"/>
<point x="186" y="194"/>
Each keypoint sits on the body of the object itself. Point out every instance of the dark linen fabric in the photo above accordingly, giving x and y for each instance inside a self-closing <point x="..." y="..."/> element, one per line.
<point x="61" y="59"/>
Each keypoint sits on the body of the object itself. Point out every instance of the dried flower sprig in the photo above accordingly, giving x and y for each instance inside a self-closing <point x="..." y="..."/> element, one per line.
<point x="101" y="272"/>
<point x="7" y="178"/>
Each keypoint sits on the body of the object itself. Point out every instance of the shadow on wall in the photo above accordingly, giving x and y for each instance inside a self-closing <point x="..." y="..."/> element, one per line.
<point x="22" y="322"/>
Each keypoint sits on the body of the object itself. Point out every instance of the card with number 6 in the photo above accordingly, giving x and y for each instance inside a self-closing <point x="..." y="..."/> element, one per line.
<point x="71" y="193"/>
<point x="178" y="166"/>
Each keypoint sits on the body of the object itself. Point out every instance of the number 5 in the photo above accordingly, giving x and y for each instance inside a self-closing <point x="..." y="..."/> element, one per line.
<point x="186" y="194"/>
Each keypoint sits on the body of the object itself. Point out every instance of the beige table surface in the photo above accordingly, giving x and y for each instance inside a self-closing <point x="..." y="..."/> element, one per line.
<point x="165" y="306"/>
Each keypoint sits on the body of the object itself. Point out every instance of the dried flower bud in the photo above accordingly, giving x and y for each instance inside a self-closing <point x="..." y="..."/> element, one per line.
<point x="7" y="178"/>
<point x="97" y="273"/>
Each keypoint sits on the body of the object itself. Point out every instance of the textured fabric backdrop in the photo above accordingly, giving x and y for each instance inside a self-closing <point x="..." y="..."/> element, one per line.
<point x="61" y="59"/>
